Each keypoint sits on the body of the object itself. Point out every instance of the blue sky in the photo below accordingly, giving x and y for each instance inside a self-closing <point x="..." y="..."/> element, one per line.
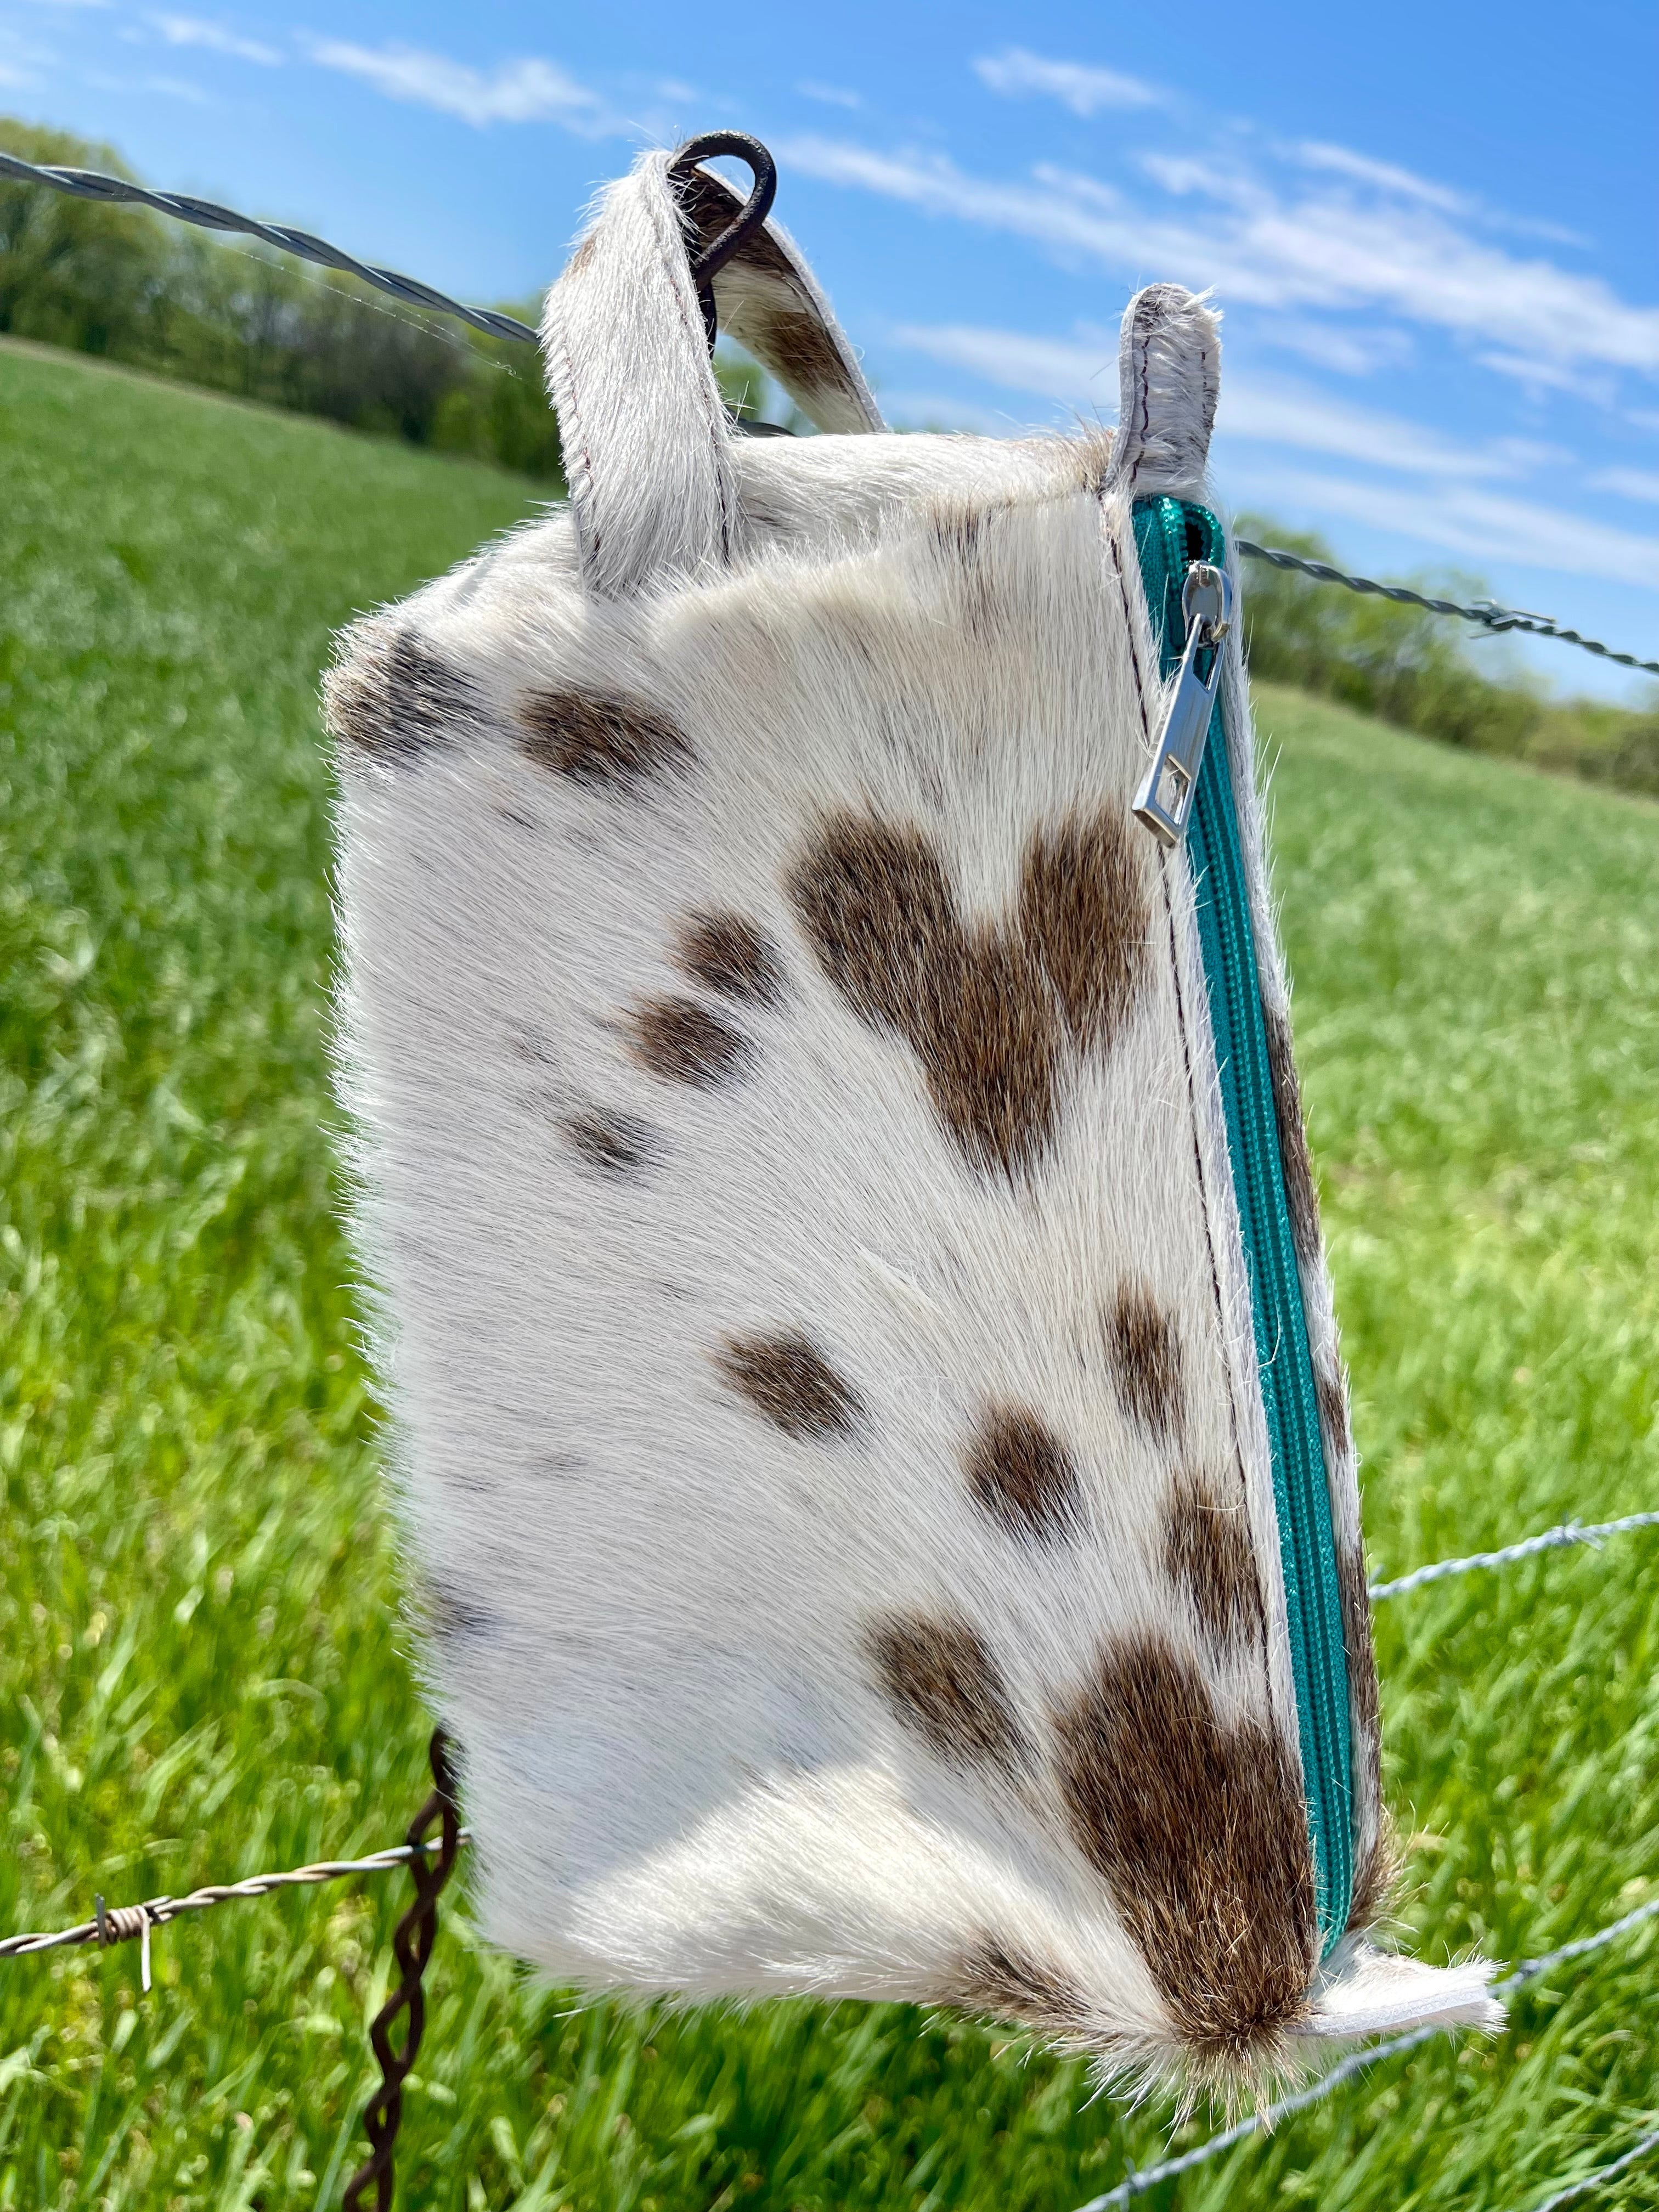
<point x="1430" y="229"/>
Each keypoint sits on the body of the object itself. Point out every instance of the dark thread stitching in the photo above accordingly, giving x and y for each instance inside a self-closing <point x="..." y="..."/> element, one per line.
<point x="1144" y="362"/>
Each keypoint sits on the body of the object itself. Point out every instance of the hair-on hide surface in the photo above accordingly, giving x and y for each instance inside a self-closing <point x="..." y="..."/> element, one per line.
<point x="809" y="1291"/>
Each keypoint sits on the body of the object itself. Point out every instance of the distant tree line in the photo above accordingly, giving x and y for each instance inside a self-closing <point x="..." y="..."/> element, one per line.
<point x="133" y="287"/>
<point x="1408" y="666"/>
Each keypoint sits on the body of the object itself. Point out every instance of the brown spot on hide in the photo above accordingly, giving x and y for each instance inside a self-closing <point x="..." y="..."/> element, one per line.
<point x="1375" y="1880"/>
<point x="790" y="1383"/>
<point x="1199" y="1827"/>
<point x="683" y="1043"/>
<point x="448" y="1616"/>
<point x="1301" y="1193"/>
<point x="611" y="745"/>
<point x="728" y="953"/>
<point x="1084" y="909"/>
<point x="709" y="206"/>
<point x="797" y="348"/>
<point x="999" y="1978"/>
<point x="1333" y="1397"/>
<point x="615" y="1143"/>
<point x="943" y="1684"/>
<point x="877" y="911"/>
<point x="1022" y="1476"/>
<point x="391" y="698"/>
<point x="991" y="1064"/>
<point x="585" y="249"/>
<point x="1374" y="1874"/>
<point x="1145" y="1354"/>
<point x="957" y="531"/>
<point x="1209" y="1554"/>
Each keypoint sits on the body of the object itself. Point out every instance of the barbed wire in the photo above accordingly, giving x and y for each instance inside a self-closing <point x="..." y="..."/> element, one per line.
<point x="121" y="1923"/>
<point x="1486" y="612"/>
<point x="207" y="214"/>
<point x="1570" y="1532"/>
<point x="1358" y="2062"/>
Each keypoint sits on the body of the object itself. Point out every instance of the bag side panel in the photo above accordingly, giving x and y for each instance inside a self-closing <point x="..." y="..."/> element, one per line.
<point x="820" y="1441"/>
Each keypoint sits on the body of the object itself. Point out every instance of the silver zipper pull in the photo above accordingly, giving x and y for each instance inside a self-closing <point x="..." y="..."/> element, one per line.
<point x="1164" y="801"/>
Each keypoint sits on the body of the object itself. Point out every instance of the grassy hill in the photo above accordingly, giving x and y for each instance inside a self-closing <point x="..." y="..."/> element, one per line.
<point x="202" y="1671"/>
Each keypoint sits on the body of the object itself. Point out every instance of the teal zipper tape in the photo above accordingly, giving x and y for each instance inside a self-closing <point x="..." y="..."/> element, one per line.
<point x="1170" y="535"/>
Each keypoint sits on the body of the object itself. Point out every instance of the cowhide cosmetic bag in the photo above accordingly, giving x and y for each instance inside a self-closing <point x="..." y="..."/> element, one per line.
<point x="869" y="1419"/>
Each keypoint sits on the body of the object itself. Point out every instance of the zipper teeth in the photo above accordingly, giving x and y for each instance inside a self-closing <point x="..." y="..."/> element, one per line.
<point x="1302" y="1496"/>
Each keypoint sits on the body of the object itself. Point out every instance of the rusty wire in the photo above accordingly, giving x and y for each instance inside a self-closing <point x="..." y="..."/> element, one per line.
<point x="412" y="1943"/>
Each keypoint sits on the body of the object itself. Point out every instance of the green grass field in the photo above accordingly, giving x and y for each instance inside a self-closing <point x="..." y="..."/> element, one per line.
<point x="202" y="1672"/>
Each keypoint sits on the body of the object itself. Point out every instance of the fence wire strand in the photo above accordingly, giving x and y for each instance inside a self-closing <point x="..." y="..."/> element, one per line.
<point x="1583" y="2187"/>
<point x="1570" y="1532"/>
<point x="1357" y="2062"/>
<point x="1486" y="612"/>
<point x="207" y="214"/>
<point x="121" y="1923"/>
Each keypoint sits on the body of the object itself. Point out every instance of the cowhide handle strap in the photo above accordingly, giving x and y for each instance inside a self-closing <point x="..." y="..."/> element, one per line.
<point x="767" y="300"/>
<point x="1168" y="376"/>
<point x="646" y="445"/>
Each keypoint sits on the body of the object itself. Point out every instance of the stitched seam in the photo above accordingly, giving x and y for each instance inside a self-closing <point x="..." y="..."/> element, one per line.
<point x="716" y="433"/>
<point x="583" y="505"/>
<point x="1186" y="1048"/>
<point x="1144" y="362"/>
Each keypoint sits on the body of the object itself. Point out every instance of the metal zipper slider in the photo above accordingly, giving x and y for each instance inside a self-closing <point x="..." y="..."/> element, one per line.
<point x="1164" y="801"/>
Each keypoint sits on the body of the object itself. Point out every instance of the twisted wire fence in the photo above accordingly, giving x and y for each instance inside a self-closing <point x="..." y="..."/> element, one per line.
<point x="208" y="215"/>
<point x="430" y="1858"/>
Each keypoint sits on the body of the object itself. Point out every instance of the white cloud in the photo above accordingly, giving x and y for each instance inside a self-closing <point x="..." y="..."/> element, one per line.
<point x="1261" y="247"/>
<point x="1077" y="85"/>
<point x="1350" y="350"/>
<point x="1629" y="484"/>
<point x="531" y="90"/>
<point x="190" y="31"/>
<point x="1342" y="161"/>
<point x="1480" y="525"/>
<point x="1540" y="377"/>
<point x="830" y="95"/>
<point x="1083" y="371"/>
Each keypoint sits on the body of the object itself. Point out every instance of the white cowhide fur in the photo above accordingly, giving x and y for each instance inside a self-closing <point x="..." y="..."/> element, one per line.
<point x="808" y="1283"/>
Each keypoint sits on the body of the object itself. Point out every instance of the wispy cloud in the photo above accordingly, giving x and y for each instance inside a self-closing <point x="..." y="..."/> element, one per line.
<point x="1351" y="350"/>
<point x="530" y="90"/>
<point x="1629" y="484"/>
<point x="1080" y="86"/>
<point x="1083" y="371"/>
<point x="169" y="87"/>
<point x="191" y="31"/>
<point x="1261" y="246"/>
<point x="829" y="95"/>
<point x="1343" y="162"/>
